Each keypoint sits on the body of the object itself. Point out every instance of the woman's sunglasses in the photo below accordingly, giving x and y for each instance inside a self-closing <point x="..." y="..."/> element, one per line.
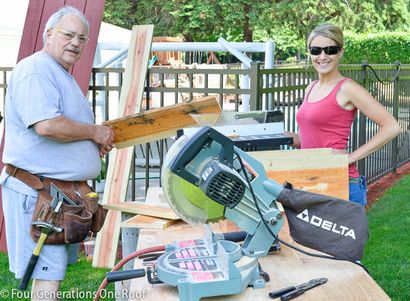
<point x="329" y="50"/>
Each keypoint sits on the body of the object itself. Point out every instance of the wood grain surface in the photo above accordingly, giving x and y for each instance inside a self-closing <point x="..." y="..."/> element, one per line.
<point x="160" y="123"/>
<point x="287" y="267"/>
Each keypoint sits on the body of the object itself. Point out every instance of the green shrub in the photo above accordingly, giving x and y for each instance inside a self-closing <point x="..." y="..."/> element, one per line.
<point x="381" y="48"/>
<point x="103" y="171"/>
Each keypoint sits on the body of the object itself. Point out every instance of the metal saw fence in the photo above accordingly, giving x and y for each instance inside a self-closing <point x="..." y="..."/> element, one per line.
<point x="279" y="88"/>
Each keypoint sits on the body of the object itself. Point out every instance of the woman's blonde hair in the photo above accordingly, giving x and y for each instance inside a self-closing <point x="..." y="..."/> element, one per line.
<point x="327" y="30"/>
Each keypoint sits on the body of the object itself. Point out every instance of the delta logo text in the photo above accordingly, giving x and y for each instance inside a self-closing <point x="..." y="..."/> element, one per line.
<point x="326" y="224"/>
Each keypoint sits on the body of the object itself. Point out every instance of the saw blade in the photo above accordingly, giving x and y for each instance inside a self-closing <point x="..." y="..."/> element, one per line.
<point x="187" y="200"/>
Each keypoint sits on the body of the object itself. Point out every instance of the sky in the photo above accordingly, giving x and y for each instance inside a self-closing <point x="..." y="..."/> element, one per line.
<point x="12" y="17"/>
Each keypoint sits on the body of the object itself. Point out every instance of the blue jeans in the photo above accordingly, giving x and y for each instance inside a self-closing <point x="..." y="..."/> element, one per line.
<point x="358" y="191"/>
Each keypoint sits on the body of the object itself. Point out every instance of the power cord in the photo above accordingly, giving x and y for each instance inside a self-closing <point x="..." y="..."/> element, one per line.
<point x="282" y="241"/>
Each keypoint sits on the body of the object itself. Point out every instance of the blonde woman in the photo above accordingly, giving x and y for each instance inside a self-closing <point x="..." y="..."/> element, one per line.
<point x="331" y="104"/>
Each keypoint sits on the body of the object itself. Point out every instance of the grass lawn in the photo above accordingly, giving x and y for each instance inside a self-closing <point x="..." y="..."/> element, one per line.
<point x="81" y="278"/>
<point x="387" y="255"/>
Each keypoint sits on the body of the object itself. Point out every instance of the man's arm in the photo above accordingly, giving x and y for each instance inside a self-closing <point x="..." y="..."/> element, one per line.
<point x="63" y="129"/>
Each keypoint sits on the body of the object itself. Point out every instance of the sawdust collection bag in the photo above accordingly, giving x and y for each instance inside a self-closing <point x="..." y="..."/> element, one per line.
<point x="327" y="224"/>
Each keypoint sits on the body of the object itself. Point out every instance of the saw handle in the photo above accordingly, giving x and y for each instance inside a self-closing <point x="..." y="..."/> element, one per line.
<point x="124" y="275"/>
<point x="235" y="236"/>
<point x="195" y="145"/>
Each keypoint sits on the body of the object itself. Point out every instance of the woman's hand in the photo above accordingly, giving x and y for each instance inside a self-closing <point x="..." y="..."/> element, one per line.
<point x="350" y="157"/>
<point x="296" y="139"/>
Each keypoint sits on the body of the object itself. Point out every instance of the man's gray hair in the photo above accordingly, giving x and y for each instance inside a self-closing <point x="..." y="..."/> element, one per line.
<point x="56" y="17"/>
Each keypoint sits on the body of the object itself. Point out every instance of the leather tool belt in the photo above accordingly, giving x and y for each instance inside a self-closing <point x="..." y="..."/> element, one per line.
<point x="76" y="220"/>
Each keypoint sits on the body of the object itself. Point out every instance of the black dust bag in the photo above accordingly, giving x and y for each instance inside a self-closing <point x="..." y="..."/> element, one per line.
<point x="324" y="223"/>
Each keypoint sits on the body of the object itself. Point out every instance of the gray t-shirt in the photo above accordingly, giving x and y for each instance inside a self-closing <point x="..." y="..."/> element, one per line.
<point x="41" y="89"/>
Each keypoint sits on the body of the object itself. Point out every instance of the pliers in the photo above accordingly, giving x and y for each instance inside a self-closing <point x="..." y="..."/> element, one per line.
<point x="291" y="292"/>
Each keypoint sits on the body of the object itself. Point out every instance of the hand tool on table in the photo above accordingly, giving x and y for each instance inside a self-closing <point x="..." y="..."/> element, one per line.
<point x="291" y="292"/>
<point x="47" y="227"/>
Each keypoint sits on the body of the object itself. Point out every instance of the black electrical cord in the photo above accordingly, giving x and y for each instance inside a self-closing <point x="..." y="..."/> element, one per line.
<point x="387" y="82"/>
<point x="280" y="240"/>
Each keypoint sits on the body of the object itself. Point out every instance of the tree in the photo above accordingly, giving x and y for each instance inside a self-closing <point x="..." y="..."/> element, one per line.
<point x="293" y="20"/>
<point x="286" y="22"/>
<point x="195" y="20"/>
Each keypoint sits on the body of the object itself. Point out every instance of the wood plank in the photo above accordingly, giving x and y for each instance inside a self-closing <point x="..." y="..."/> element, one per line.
<point x="49" y="8"/>
<point x="32" y="29"/>
<point x="147" y="222"/>
<point x="155" y="195"/>
<point x="120" y="159"/>
<point x="160" y="123"/>
<point x="315" y="170"/>
<point x="83" y="68"/>
<point x="346" y="281"/>
<point x="162" y="211"/>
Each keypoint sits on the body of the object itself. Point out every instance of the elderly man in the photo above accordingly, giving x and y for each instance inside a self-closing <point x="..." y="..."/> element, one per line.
<point x="50" y="133"/>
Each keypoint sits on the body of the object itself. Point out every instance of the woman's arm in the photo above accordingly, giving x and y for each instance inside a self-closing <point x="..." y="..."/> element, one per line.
<point x="352" y="94"/>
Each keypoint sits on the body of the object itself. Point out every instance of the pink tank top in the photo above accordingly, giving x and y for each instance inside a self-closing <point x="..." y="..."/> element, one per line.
<point x="325" y="123"/>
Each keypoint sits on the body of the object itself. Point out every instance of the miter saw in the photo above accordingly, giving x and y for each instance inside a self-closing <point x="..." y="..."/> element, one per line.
<point x="206" y="178"/>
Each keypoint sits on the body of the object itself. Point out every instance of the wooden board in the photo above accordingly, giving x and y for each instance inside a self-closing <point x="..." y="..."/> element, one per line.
<point x="160" y="123"/>
<point x="315" y="170"/>
<point x="38" y="11"/>
<point x="155" y="195"/>
<point x="120" y="159"/>
<point x="143" y="208"/>
<point x="147" y="222"/>
<point x="346" y="281"/>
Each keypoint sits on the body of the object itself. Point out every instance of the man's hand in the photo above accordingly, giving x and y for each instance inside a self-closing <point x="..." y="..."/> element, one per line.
<point x="104" y="149"/>
<point x="104" y="135"/>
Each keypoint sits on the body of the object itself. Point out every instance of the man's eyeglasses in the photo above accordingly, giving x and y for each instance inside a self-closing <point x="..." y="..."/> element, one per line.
<point x="69" y="35"/>
<point x="329" y="50"/>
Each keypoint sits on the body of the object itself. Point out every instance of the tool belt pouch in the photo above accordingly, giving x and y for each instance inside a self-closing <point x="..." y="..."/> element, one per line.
<point x="98" y="219"/>
<point x="91" y="205"/>
<point x="76" y="221"/>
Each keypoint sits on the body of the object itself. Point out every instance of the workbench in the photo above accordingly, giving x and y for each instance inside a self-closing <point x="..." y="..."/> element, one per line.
<point x="346" y="281"/>
<point x="315" y="170"/>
